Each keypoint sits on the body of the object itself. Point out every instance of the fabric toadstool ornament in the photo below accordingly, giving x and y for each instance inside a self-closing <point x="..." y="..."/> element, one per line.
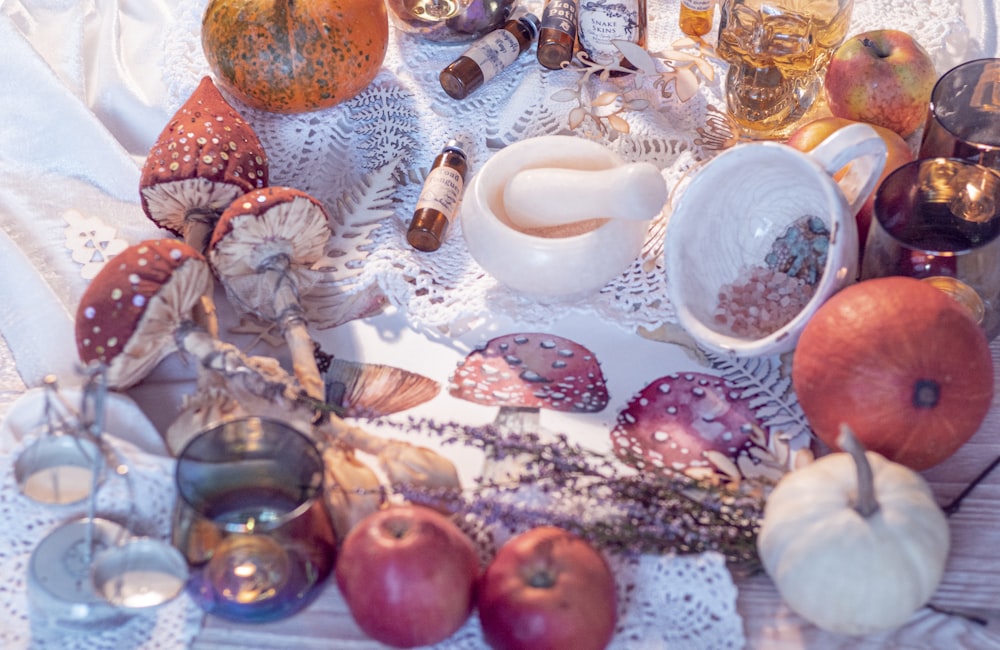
<point x="206" y="157"/>
<point x="854" y="543"/>
<point x="154" y="299"/>
<point x="266" y="248"/>
<point x="151" y="300"/>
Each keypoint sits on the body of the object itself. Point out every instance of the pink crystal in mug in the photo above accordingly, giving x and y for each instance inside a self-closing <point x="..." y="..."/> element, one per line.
<point x="763" y="234"/>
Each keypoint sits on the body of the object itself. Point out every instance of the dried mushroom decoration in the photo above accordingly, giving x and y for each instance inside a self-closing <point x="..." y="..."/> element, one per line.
<point x="266" y="249"/>
<point x="154" y="299"/>
<point x="206" y="157"/>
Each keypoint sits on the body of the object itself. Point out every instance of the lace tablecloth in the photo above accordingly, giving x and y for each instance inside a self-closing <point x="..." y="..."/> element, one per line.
<point x="90" y="84"/>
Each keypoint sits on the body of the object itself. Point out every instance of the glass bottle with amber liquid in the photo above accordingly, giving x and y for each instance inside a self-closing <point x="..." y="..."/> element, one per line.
<point x="603" y="21"/>
<point x="489" y="56"/>
<point x="557" y="35"/>
<point x="696" y="17"/>
<point x="439" y="198"/>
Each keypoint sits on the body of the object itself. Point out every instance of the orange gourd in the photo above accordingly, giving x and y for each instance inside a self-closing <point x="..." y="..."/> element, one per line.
<point x="900" y="362"/>
<point x="291" y="56"/>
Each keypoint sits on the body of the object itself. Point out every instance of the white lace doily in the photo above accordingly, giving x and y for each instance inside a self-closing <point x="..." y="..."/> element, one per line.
<point x="404" y="118"/>
<point x="680" y="603"/>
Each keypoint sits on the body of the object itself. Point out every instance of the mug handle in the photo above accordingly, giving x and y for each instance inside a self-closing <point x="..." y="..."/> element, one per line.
<point x="859" y="146"/>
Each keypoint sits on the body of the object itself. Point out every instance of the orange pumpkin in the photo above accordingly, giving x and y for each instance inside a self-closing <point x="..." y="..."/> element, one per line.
<point x="902" y="363"/>
<point x="291" y="56"/>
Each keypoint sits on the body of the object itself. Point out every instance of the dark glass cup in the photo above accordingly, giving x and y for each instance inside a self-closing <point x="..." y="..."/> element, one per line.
<point x="964" y="116"/>
<point x="251" y="520"/>
<point x="936" y="219"/>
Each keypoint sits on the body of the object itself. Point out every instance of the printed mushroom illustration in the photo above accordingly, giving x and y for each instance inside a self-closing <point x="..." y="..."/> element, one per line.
<point x="690" y="422"/>
<point x="265" y="249"/>
<point x="151" y="300"/>
<point x="204" y="159"/>
<point x="527" y="372"/>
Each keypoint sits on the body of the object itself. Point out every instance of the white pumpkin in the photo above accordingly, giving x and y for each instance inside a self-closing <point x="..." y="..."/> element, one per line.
<point x="854" y="543"/>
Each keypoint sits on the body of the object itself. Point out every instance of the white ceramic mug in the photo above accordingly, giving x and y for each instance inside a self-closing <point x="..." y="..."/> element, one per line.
<point x="729" y="215"/>
<point x="554" y="264"/>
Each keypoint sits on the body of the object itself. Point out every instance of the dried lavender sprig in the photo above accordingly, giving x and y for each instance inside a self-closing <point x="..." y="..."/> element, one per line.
<point x="597" y="496"/>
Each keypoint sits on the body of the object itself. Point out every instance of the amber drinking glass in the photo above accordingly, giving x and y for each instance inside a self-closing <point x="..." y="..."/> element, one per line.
<point x="964" y="116"/>
<point x="251" y="520"/>
<point x="936" y="219"/>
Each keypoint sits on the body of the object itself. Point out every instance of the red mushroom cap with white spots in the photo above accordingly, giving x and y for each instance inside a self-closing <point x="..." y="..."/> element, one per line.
<point x="206" y="157"/>
<point x="532" y="371"/>
<point x="280" y="228"/>
<point x="130" y="311"/>
<point x="674" y="421"/>
<point x="268" y="221"/>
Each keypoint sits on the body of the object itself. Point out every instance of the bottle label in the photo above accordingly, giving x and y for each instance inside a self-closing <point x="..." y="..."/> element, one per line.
<point x="697" y="5"/>
<point x="560" y="15"/>
<point x="441" y="191"/>
<point x="494" y="52"/>
<point x="603" y="21"/>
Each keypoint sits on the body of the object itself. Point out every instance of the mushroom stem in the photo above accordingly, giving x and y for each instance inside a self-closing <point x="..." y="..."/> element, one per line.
<point x="205" y="314"/>
<point x="230" y="361"/>
<point x="865" y="502"/>
<point x="199" y="223"/>
<point x="293" y="327"/>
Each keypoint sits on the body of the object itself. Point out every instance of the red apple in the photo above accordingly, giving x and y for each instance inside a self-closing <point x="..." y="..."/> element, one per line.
<point x="548" y="589"/>
<point x="882" y="77"/>
<point x="810" y="134"/>
<point x="408" y="575"/>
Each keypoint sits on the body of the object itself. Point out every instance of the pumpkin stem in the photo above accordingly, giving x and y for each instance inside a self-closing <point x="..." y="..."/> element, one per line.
<point x="865" y="504"/>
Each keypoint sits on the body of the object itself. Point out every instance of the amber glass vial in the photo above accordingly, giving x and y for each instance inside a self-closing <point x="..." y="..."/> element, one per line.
<point x="439" y="198"/>
<point x="557" y="35"/>
<point x="488" y="56"/>
<point x="696" y="16"/>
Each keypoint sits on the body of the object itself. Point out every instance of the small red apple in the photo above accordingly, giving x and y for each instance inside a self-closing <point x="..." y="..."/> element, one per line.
<point x="810" y="134"/>
<point x="882" y="77"/>
<point x="408" y="575"/>
<point x="548" y="589"/>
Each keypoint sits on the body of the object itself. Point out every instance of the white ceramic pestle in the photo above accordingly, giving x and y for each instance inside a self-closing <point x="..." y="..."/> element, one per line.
<point x="550" y="196"/>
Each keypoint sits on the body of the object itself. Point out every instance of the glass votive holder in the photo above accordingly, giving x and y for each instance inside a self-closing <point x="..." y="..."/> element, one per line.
<point x="936" y="219"/>
<point x="251" y="521"/>
<point x="963" y="120"/>
<point x="449" y="21"/>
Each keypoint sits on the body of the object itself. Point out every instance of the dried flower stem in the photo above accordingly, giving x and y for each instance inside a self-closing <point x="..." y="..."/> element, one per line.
<point x="597" y="497"/>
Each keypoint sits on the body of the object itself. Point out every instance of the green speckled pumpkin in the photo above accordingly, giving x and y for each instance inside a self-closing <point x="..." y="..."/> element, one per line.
<point x="291" y="56"/>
